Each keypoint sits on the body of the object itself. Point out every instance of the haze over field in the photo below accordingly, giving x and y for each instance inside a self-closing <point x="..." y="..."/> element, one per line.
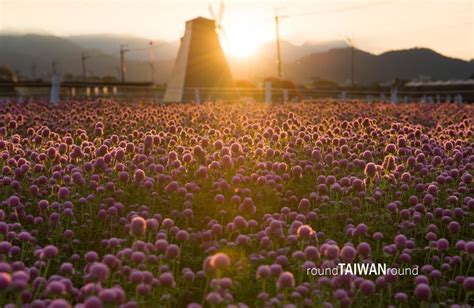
<point x="377" y="26"/>
<point x="301" y="63"/>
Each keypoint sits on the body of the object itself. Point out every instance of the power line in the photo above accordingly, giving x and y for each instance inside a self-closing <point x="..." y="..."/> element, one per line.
<point x="139" y="49"/>
<point x="415" y="30"/>
<point x="339" y="10"/>
<point x="124" y="49"/>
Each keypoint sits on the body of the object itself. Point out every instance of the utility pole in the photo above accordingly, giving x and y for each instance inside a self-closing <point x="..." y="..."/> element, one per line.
<point x="152" y="64"/>
<point x="117" y="70"/>
<point x="53" y="67"/>
<point x="123" y="50"/>
<point x="84" y="57"/>
<point x="350" y="42"/>
<point x="277" y="29"/>
<point x="33" y="71"/>
<point x="352" y="66"/>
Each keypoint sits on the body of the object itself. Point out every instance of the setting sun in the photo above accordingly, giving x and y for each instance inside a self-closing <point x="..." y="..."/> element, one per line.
<point x="241" y="46"/>
<point x="243" y="40"/>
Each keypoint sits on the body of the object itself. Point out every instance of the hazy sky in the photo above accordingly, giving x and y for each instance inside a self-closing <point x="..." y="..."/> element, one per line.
<point x="376" y="25"/>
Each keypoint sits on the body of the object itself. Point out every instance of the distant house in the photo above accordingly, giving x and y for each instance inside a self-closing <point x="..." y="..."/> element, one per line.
<point x="7" y="74"/>
<point x="445" y="88"/>
<point x="7" y="77"/>
<point x="467" y="83"/>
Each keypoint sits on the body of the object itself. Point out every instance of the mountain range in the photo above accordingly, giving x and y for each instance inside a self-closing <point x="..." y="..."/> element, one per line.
<point x="301" y="63"/>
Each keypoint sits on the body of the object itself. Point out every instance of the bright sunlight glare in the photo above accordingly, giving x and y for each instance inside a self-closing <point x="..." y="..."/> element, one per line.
<point x="242" y="40"/>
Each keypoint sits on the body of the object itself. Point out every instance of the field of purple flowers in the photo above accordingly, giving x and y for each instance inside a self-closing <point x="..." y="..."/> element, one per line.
<point x="104" y="204"/>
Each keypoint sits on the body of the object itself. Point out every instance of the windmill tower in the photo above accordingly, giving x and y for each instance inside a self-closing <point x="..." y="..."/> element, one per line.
<point x="200" y="64"/>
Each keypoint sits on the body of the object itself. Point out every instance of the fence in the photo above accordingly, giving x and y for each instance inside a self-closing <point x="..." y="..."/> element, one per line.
<point x="145" y="91"/>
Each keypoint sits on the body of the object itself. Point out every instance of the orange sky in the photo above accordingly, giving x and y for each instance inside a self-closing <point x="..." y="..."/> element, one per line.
<point x="377" y="25"/>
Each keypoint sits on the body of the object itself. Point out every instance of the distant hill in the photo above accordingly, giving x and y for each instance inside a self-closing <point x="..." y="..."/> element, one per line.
<point x="291" y="52"/>
<point x="110" y="44"/>
<point x="301" y="63"/>
<point x="413" y="63"/>
<point x="22" y="51"/>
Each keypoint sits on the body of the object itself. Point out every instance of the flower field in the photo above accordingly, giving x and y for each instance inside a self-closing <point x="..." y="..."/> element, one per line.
<point x="107" y="204"/>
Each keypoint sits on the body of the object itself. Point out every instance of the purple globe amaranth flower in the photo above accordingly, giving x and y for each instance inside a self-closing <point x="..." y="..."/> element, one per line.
<point x="364" y="249"/>
<point x="454" y="227"/>
<point x="263" y="272"/>
<point x="5" y="247"/>
<point x="63" y="192"/>
<point x="428" y="199"/>
<point x="5" y="280"/>
<point x="348" y="253"/>
<point x="360" y="229"/>
<point x="138" y="226"/>
<point x="66" y="268"/>
<point x="378" y="236"/>
<point x="91" y="256"/>
<point x="93" y="302"/>
<point x="304" y="205"/>
<point x="423" y="291"/>
<point x="467" y="178"/>
<point x="219" y="198"/>
<point x="367" y="287"/>
<point x="14" y="201"/>
<point x="143" y="289"/>
<point x="370" y="170"/>
<point x="443" y="244"/>
<point x="59" y="303"/>
<point x="56" y="287"/>
<point x="167" y="280"/>
<point x="305" y="232"/>
<point x="214" y="298"/>
<point x="172" y="251"/>
<point x="468" y="284"/>
<point x="99" y="271"/>
<point x="276" y="269"/>
<point x="469" y="248"/>
<point x="401" y="297"/>
<point x="406" y="177"/>
<point x="139" y="175"/>
<point x="297" y="171"/>
<point x="285" y="280"/>
<point x="400" y="241"/>
<point x="311" y="252"/>
<point x="182" y="235"/>
<point x="108" y="296"/>
<point x="220" y="261"/>
<point x="50" y="251"/>
<point x="161" y="245"/>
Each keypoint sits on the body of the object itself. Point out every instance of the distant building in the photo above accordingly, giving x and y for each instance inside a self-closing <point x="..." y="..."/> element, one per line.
<point x="7" y="74"/>
<point x="441" y="83"/>
<point x="446" y="88"/>
<point x="7" y="77"/>
<point x="200" y="64"/>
